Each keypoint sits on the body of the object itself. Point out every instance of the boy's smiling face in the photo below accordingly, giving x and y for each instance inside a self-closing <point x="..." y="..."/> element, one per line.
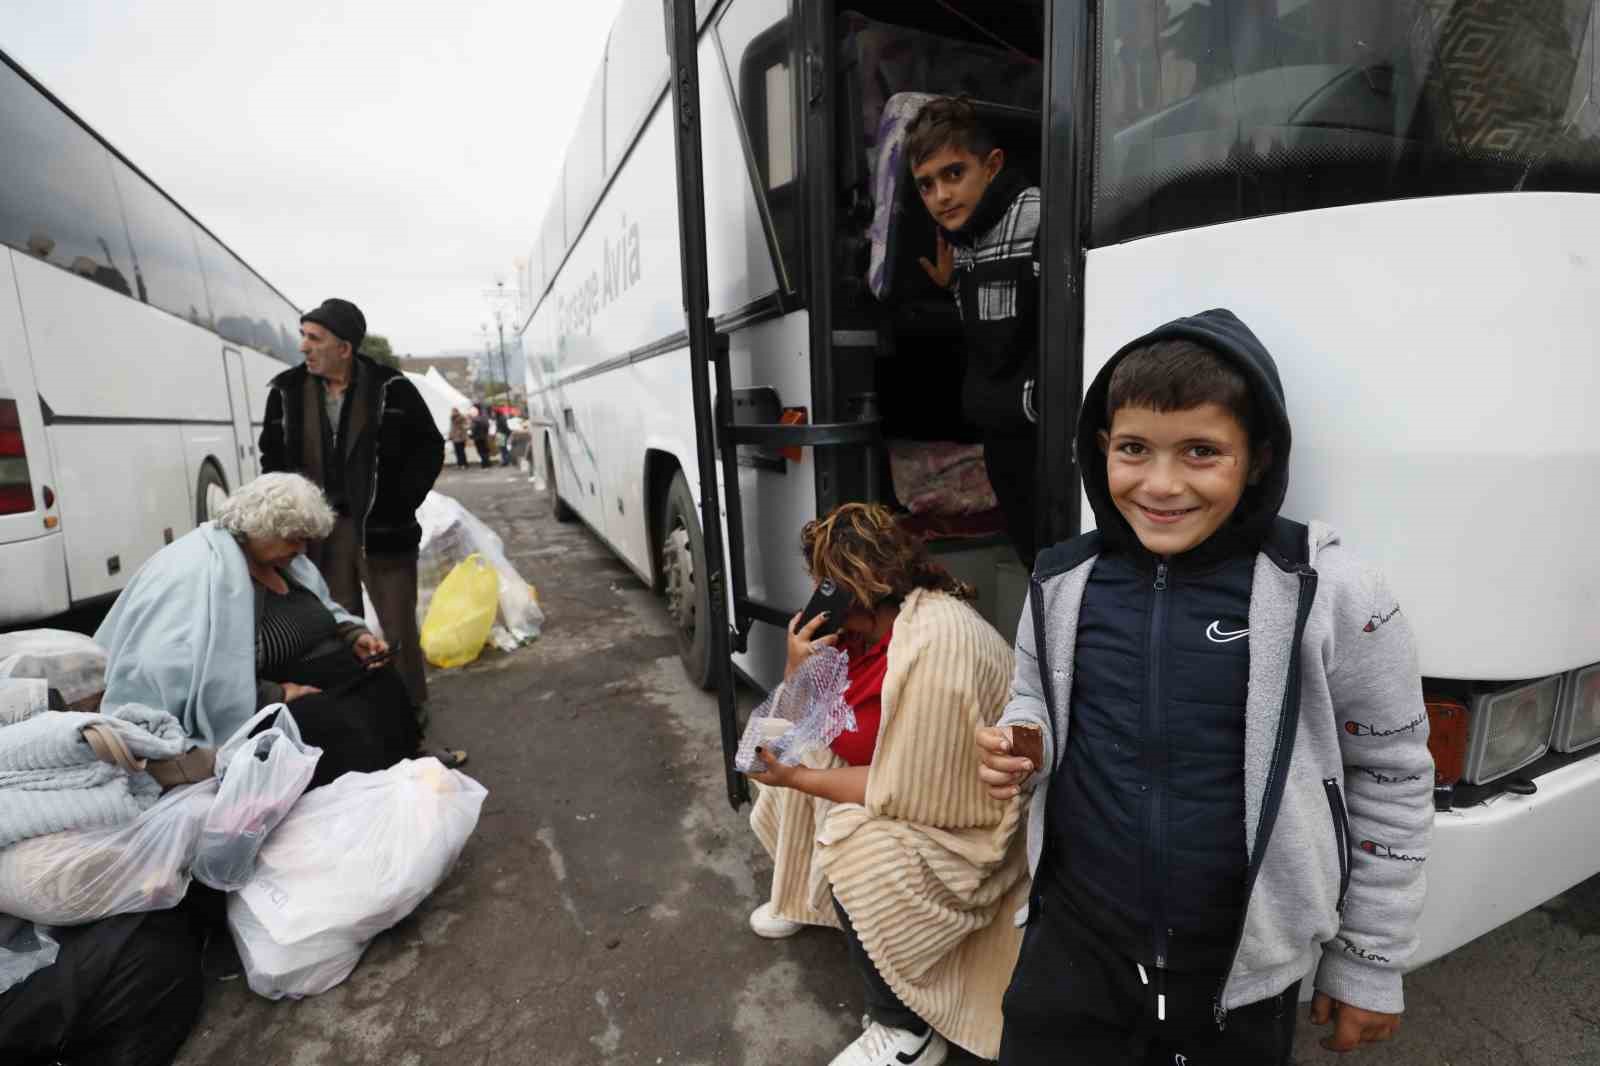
<point x="951" y="181"/>
<point x="1177" y="476"/>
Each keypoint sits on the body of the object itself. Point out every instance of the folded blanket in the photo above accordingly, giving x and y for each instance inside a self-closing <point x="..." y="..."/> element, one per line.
<point x="51" y="779"/>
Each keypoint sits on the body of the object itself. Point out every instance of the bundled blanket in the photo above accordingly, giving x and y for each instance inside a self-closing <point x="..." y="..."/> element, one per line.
<point x="51" y="779"/>
<point x="182" y="636"/>
<point x="930" y="869"/>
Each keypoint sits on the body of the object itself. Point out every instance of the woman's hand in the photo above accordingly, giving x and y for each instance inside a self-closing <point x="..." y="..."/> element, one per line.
<point x="292" y="691"/>
<point x="1000" y="771"/>
<point x="367" y="645"/>
<point x="776" y="774"/>
<point x="801" y="646"/>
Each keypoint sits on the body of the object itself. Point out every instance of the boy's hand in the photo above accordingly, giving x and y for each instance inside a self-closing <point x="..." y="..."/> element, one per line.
<point x="1352" y="1026"/>
<point x="944" y="268"/>
<point x="1000" y="771"/>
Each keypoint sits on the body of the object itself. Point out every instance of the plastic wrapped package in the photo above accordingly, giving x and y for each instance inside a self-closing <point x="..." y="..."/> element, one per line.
<point x="70" y="663"/>
<point x="353" y="858"/>
<point x="27" y="949"/>
<point x="262" y="777"/>
<point x="83" y="875"/>
<point x="450" y="533"/>
<point x="461" y="614"/>
<point x="803" y="714"/>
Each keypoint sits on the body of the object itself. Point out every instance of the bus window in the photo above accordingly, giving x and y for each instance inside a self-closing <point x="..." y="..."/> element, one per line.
<point x="755" y="39"/>
<point x="59" y="203"/>
<point x="1237" y="108"/>
<point x="165" y="267"/>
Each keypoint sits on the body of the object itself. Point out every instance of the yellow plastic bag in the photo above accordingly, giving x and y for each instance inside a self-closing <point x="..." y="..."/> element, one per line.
<point x="461" y="613"/>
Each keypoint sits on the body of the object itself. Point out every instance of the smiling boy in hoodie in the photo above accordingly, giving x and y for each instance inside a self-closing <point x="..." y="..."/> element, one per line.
<point x="1235" y="786"/>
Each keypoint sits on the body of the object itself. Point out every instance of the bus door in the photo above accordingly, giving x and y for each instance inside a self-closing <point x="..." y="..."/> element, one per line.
<point x="243" y="432"/>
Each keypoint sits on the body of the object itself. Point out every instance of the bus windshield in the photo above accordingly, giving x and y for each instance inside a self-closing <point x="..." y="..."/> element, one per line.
<point x="1228" y="109"/>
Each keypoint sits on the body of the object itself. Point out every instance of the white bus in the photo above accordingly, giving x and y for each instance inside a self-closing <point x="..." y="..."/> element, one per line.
<point x="135" y="351"/>
<point x="1401" y="199"/>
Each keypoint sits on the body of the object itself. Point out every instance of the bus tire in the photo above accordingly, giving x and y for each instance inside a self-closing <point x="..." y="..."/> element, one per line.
<point x="210" y="490"/>
<point x="558" y="507"/>
<point x="683" y="558"/>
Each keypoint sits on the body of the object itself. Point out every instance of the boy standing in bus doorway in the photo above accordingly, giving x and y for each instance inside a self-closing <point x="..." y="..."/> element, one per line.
<point x="987" y="216"/>
<point x="1231" y="781"/>
<point x="360" y="430"/>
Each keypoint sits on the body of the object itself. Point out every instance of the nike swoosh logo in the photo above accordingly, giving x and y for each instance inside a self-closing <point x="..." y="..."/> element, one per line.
<point x="917" y="1054"/>
<point x="1217" y="635"/>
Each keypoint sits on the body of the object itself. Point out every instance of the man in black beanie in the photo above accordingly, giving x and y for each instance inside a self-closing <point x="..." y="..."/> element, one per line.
<point x="361" y="431"/>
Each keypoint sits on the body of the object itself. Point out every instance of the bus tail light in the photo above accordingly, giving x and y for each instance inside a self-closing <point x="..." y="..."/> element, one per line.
<point x="1510" y="729"/>
<point x="1578" y="722"/>
<point x="16" y="487"/>
<point x="1447" y="738"/>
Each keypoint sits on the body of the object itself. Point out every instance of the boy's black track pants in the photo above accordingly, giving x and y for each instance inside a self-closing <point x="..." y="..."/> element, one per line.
<point x="1073" y="999"/>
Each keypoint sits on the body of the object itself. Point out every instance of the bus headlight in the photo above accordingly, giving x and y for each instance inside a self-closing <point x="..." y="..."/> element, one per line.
<point x="1578" y="721"/>
<point x="1510" y="729"/>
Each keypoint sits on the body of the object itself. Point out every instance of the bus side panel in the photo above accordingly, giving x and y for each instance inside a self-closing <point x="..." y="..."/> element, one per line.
<point x="1439" y="361"/>
<point x="259" y="370"/>
<point x="776" y="502"/>
<point x="33" y="564"/>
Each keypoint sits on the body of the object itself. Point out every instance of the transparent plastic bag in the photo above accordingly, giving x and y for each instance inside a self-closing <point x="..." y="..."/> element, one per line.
<point x="461" y="614"/>
<point x="70" y="663"/>
<point x="262" y="777"/>
<point x="352" y="859"/>
<point x="83" y="875"/>
<point x="28" y="951"/>
<point x="450" y="533"/>
<point x="805" y="713"/>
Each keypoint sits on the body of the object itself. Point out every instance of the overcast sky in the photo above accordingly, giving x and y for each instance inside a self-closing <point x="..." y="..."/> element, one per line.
<point x="397" y="155"/>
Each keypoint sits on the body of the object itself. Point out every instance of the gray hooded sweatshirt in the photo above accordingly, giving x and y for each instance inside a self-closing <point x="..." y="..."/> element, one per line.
<point x="1337" y="777"/>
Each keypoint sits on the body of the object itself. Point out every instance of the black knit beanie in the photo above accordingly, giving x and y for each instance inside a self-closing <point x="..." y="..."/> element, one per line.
<point x="341" y="318"/>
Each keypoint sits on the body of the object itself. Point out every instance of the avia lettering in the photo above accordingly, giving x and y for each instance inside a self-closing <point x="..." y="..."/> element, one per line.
<point x="1362" y="729"/>
<point x="619" y="273"/>
<point x="1351" y="947"/>
<point x="1384" y="851"/>
<point x="1385" y="779"/>
<point x="1379" y="619"/>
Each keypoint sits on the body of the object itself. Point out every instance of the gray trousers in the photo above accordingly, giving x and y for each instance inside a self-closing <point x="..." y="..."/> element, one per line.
<point x="391" y="581"/>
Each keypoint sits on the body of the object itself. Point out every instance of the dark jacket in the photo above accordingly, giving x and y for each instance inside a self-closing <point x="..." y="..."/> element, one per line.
<point x="997" y="292"/>
<point x="391" y="451"/>
<point x="1334" y="730"/>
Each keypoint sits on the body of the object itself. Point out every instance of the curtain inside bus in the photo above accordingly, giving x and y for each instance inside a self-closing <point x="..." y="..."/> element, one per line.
<point x="1228" y="109"/>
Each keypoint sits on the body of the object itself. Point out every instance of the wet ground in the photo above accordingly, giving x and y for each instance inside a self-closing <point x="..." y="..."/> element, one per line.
<point x="598" y="914"/>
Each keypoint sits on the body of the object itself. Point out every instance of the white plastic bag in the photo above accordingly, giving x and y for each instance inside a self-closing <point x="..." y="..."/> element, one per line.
<point x="29" y="950"/>
<point x="69" y="662"/>
<point x="83" y="875"/>
<point x="262" y="777"/>
<point x="353" y="858"/>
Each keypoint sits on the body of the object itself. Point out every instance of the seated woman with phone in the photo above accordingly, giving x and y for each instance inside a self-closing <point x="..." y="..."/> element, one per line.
<point x="232" y="617"/>
<point x="883" y="835"/>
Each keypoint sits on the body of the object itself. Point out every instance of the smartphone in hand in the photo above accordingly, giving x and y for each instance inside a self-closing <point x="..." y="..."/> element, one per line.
<point x="829" y="597"/>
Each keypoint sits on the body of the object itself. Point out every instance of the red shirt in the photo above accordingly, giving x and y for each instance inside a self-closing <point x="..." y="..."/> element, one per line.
<point x="864" y="694"/>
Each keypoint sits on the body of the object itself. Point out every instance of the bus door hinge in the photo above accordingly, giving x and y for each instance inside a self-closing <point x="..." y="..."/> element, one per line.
<point x="814" y="82"/>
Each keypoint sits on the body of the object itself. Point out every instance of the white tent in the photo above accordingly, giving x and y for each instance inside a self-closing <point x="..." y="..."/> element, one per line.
<point x="439" y="403"/>
<point x="444" y="388"/>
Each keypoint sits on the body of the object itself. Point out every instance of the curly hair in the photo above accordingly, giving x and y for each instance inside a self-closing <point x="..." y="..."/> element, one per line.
<point x="864" y="548"/>
<point x="277" y="505"/>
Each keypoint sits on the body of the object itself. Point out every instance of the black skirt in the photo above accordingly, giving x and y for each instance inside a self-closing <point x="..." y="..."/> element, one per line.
<point x="362" y="719"/>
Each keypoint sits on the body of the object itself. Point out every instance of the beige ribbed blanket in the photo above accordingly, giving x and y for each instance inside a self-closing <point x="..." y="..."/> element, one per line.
<point x="931" y="869"/>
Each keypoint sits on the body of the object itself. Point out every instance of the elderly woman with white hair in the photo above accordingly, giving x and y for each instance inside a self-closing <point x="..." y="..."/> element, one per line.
<point x="233" y="617"/>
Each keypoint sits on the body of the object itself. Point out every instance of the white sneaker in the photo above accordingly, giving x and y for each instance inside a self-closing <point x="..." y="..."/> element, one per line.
<point x="764" y="923"/>
<point x="883" y="1046"/>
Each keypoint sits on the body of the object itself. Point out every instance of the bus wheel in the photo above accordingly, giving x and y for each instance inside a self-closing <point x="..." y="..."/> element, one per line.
<point x="209" y="493"/>
<point x="558" y="508"/>
<point x="683" y="563"/>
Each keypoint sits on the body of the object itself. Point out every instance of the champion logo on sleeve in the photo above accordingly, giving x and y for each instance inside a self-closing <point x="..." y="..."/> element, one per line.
<point x="1217" y="635"/>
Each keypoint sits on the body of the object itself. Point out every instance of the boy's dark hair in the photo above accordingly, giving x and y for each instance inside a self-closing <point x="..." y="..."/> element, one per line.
<point x="946" y="121"/>
<point x="1178" y="375"/>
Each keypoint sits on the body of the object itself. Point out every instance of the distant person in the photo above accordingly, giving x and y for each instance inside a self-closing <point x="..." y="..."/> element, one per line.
<point x="503" y="428"/>
<point x="987" y="214"/>
<point x="1222" y="701"/>
<point x="458" y="436"/>
<point x="361" y="432"/>
<point x="480" y="436"/>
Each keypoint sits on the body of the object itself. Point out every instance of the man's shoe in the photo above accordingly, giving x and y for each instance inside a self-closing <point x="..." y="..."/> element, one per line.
<point x="764" y="923"/>
<point x="882" y="1046"/>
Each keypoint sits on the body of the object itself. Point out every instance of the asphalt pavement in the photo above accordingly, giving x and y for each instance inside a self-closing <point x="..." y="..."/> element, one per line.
<point x="598" y="913"/>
